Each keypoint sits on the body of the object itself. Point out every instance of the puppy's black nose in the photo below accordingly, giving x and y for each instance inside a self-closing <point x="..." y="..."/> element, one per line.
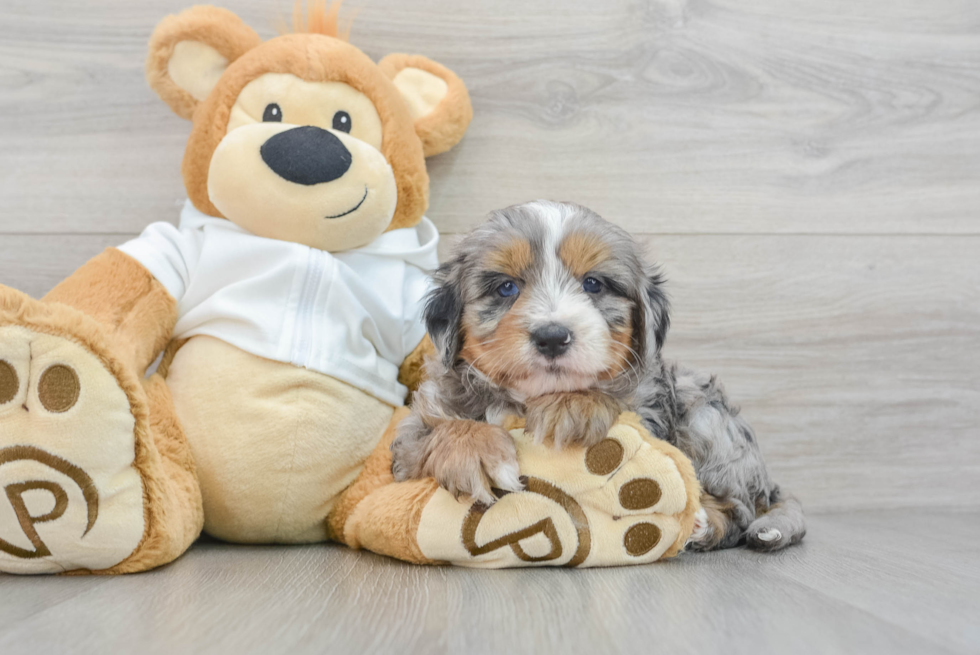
<point x="306" y="155"/>
<point x="552" y="340"/>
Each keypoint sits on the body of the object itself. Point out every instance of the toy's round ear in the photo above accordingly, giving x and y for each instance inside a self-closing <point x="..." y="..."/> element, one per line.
<point x="437" y="99"/>
<point x="190" y="51"/>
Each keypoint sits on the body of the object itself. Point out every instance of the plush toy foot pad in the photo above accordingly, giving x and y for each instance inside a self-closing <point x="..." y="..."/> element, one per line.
<point x="622" y="501"/>
<point x="630" y="499"/>
<point x="71" y="495"/>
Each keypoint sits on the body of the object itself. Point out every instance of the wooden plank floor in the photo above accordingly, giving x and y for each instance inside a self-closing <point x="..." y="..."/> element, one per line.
<point x="868" y="582"/>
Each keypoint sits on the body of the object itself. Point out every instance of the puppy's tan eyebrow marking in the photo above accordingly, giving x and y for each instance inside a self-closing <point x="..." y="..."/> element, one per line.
<point x="582" y="252"/>
<point x="513" y="259"/>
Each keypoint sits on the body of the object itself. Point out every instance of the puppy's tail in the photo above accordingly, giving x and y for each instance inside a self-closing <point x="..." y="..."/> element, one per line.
<point x="783" y="525"/>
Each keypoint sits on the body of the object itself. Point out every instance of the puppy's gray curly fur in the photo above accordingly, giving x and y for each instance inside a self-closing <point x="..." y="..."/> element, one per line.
<point x="685" y="408"/>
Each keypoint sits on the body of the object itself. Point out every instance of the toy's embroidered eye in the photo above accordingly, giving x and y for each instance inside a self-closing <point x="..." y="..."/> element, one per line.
<point x="341" y="121"/>
<point x="591" y="285"/>
<point x="507" y="289"/>
<point x="272" y="114"/>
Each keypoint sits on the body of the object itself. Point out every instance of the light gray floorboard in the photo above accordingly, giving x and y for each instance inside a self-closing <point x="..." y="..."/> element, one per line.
<point x="871" y="582"/>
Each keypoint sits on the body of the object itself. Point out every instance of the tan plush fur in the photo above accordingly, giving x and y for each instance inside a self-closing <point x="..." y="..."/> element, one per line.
<point x="275" y="444"/>
<point x="320" y="19"/>
<point x="376" y="513"/>
<point x="640" y="509"/>
<point x="163" y="368"/>
<point x="418" y="522"/>
<point x="213" y="26"/>
<point x="172" y="515"/>
<point x="173" y="496"/>
<point x="122" y="318"/>
<point x="314" y="57"/>
<point x="116" y="291"/>
<point x="387" y="521"/>
<point x="686" y="470"/>
<point x="198" y="62"/>
<point x="412" y="369"/>
<point x="441" y="129"/>
<point x="375" y="474"/>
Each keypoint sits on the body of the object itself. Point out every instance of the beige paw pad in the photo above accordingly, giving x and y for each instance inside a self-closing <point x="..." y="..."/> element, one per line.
<point x="616" y="503"/>
<point x="70" y="497"/>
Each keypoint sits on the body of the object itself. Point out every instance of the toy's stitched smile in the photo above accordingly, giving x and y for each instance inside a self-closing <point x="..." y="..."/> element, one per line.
<point x="354" y="208"/>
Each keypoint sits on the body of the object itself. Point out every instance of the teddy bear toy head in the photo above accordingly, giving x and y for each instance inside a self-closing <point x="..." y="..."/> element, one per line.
<point x="303" y="137"/>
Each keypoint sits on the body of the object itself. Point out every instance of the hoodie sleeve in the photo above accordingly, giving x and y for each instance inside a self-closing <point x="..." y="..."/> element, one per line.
<point x="169" y="253"/>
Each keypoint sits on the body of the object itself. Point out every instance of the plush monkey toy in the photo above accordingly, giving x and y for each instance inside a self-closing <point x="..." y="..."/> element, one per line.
<point x="284" y="317"/>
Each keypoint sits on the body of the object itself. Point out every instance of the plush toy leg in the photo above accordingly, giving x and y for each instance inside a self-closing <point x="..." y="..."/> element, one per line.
<point x="95" y="470"/>
<point x="173" y="508"/>
<point x="378" y="514"/>
<point x="630" y="499"/>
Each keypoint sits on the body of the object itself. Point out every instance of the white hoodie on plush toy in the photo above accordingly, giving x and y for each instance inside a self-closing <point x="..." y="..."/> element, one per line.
<point x="353" y="315"/>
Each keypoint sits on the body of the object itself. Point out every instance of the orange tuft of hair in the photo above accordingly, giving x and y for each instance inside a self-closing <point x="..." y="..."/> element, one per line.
<point x="320" y="19"/>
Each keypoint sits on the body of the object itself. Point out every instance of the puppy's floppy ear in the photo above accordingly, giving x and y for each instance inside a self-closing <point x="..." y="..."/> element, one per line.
<point x="444" y="313"/>
<point x="436" y="98"/>
<point x="655" y="313"/>
<point x="190" y="51"/>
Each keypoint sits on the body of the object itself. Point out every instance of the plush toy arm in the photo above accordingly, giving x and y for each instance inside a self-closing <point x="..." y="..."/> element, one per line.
<point x="412" y="371"/>
<point x="138" y="313"/>
<point x="630" y="499"/>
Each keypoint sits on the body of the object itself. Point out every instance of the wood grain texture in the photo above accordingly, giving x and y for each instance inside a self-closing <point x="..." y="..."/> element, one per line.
<point x="35" y="263"/>
<point x="857" y="584"/>
<point x="677" y="116"/>
<point x="857" y="359"/>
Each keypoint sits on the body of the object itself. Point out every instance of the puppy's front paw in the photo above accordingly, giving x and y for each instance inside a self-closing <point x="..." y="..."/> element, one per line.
<point x="470" y="458"/>
<point x="577" y="417"/>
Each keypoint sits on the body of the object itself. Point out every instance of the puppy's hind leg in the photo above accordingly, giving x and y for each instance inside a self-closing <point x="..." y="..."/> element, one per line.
<point x="783" y="525"/>
<point x="715" y="524"/>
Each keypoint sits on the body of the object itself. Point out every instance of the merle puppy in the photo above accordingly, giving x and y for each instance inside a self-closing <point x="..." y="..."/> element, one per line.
<point x="549" y="312"/>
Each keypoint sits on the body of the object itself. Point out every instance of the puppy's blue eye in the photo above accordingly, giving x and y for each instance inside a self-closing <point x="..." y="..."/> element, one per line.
<point x="507" y="289"/>
<point x="591" y="285"/>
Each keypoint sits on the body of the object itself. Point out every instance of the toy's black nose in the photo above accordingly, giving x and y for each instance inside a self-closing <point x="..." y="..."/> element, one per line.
<point x="552" y="340"/>
<point x="306" y="155"/>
